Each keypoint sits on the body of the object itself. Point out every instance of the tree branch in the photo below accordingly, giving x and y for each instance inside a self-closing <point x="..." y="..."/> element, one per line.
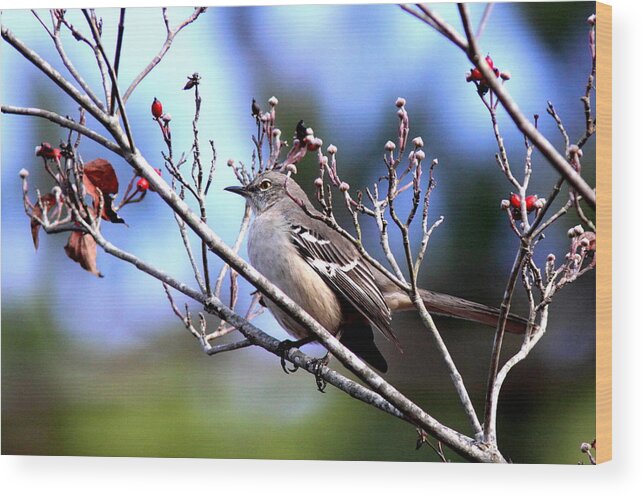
<point x="44" y="66"/>
<point x="64" y="122"/>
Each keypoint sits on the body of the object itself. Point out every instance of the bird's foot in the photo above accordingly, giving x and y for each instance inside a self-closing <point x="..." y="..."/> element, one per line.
<point x="285" y="346"/>
<point x="318" y="365"/>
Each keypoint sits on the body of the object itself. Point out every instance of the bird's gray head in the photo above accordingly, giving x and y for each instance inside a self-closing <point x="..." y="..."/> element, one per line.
<point x="267" y="189"/>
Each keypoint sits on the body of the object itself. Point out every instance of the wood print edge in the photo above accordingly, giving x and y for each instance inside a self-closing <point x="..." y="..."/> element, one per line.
<point x="604" y="232"/>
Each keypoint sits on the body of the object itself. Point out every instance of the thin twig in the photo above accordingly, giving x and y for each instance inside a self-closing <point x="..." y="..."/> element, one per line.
<point x="171" y="33"/>
<point x="483" y="21"/>
<point x="91" y="20"/>
<point x="117" y="55"/>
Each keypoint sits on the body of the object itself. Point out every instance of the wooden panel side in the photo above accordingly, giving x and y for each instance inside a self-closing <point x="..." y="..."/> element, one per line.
<point x="604" y="234"/>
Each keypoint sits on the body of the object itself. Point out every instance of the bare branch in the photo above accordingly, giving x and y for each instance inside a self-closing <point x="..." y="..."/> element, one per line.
<point x="91" y="20"/>
<point x="171" y="33"/>
<point x="44" y="66"/>
<point x="117" y="56"/>
<point x="55" y="36"/>
<point x="64" y="122"/>
<point x="483" y="21"/>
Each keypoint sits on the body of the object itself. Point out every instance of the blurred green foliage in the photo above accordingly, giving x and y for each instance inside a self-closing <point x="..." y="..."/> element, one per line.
<point x="167" y="399"/>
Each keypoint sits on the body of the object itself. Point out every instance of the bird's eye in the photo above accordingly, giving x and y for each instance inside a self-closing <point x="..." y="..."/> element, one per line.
<point x="265" y="185"/>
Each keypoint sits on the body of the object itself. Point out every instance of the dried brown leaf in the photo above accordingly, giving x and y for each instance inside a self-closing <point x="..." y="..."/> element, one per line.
<point x="81" y="248"/>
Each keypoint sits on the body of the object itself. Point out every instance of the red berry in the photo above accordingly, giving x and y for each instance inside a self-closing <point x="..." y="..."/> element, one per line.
<point x="515" y="200"/>
<point x="157" y="108"/>
<point x="142" y="184"/>
<point x="530" y="202"/>
<point x="476" y="75"/>
<point x="489" y="61"/>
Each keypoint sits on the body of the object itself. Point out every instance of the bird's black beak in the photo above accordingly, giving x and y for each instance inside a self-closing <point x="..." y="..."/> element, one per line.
<point x="239" y="190"/>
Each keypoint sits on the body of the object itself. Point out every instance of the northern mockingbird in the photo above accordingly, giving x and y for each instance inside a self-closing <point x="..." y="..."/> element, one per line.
<point x="324" y="273"/>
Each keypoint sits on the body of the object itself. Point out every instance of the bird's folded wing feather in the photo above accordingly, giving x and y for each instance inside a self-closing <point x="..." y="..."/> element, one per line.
<point x="347" y="274"/>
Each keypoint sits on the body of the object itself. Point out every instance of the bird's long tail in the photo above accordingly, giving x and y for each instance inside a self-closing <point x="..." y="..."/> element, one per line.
<point x="459" y="308"/>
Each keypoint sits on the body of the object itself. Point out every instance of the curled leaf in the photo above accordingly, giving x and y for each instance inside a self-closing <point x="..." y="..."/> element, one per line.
<point x="81" y="248"/>
<point x="100" y="175"/>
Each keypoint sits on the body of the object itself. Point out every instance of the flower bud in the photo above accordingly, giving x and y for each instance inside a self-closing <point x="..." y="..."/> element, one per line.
<point x="505" y="75"/>
<point x="389" y="146"/>
<point x="571" y="233"/>
<point x="578" y="230"/>
<point x="551" y="258"/>
<point x="309" y="131"/>
<point x="540" y="203"/>
<point x="314" y="143"/>
<point x="166" y="118"/>
<point x="319" y="182"/>
<point x="419" y="155"/>
<point x="230" y="162"/>
<point x="292" y="168"/>
<point x="400" y="102"/>
<point x="273" y="102"/>
<point x="324" y="160"/>
<point x="591" y="20"/>
<point x="417" y="142"/>
<point x="331" y="150"/>
<point x="24" y="173"/>
<point x="344" y="187"/>
<point x="504" y="204"/>
<point x="574" y="150"/>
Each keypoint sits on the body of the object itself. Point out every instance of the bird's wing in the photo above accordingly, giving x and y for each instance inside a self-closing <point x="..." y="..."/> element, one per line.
<point x="347" y="274"/>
